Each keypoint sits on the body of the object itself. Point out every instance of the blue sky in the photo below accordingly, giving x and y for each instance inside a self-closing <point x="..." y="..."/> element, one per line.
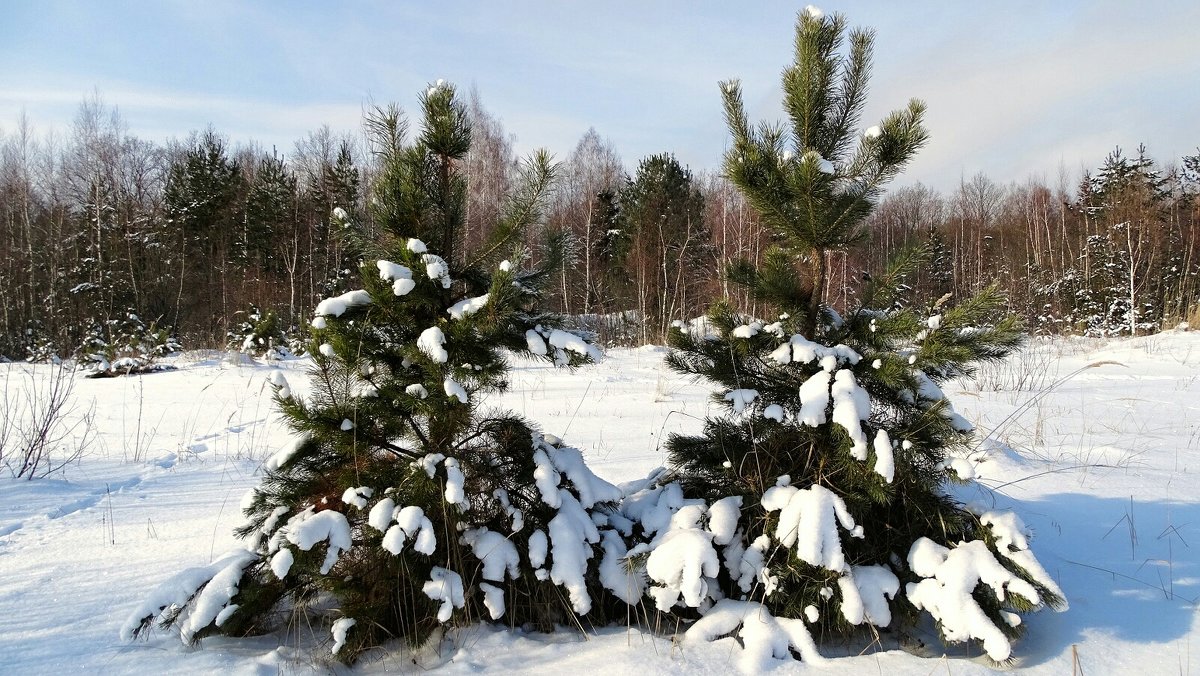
<point x="1014" y="88"/>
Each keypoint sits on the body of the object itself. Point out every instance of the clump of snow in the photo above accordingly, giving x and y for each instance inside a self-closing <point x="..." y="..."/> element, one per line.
<point x="282" y="562"/>
<point x="535" y="342"/>
<point x="307" y="529"/>
<point x="1012" y="541"/>
<point x="723" y="518"/>
<point x="399" y="275"/>
<point x="467" y="306"/>
<point x="801" y="350"/>
<point x="493" y="600"/>
<point x="416" y="246"/>
<point x="740" y="399"/>
<point x="682" y="564"/>
<point x="565" y="340"/>
<point x="338" y="630"/>
<point x="347" y="425"/>
<point x="219" y="581"/>
<point x="327" y="350"/>
<point x="284" y="454"/>
<point x="537" y="548"/>
<point x="546" y="478"/>
<point x="951" y="575"/>
<point x="431" y="343"/>
<point x="591" y="488"/>
<point x="357" y="496"/>
<point x="497" y="553"/>
<point x="885" y="461"/>
<point x="411" y="524"/>
<point x="814" y="11"/>
<point x="336" y="306"/>
<point x="280" y="383"/>
<point x="437" y="269"/>
<point x="808" y="519"/>
<point x="517" y="516"/>
<point x="866" y="591"/>
<point x="319" y="323"/>
<point x="626" y="582"/>
<point x="963" y="468"/>
<point x="454" y="389"/>
<point x="572" y="534"/>
<point x="446" y="586"/>
<point x="814" y="399"/>
<point x="380" y="516"/>
<point x="773" y="412"/>
<point x="454" y="493"/>
<point x="416" y="390"/>
<point x="873" y="132"/>
<point x="851" y="406"/>
<point x="747" y="330"/>
<point x="767" y="641"/>
<point x="928" y="393"/>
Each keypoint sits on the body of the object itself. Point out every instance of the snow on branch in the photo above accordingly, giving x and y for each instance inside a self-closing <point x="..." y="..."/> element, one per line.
<point x="336" y="306"/>
<point x="809" y="520"/>
<point x="766" y="641"/>
<point x="951" y="575"/>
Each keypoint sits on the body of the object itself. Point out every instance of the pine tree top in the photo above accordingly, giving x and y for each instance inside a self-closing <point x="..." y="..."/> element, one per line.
<point x="816" y="179"/>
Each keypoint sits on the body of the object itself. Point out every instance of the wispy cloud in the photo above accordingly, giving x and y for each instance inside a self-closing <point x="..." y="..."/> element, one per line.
<point x="244" y="119"/>
<point x="1010" y="87"/>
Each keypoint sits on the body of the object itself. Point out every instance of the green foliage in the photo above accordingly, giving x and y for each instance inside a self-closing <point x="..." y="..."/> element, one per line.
<point x="815" y="183"/>
<point x="270" y="205"/>
<point x="201" y="188"/>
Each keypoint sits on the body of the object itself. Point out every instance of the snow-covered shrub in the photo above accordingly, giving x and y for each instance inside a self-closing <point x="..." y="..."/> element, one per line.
<point x="37" y="346"/>
<point x="403" y="504"/>
<point x="259" y="334"/>
<point x="124" y="346"/>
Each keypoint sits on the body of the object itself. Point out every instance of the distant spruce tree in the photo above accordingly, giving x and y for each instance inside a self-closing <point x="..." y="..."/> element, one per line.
<point x="404" y="504"/>
<point x="662" y="212"/>
<point x="258" y="334"/>
<point x="823" y="485"/>
<point x="270" y="205"/>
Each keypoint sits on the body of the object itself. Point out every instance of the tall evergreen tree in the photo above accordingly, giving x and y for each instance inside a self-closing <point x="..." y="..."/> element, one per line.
<point x="404" y="503"/>
<point x="200" y="200"/>
<point x="270" y="206"/>
<point x="662" y="211"/>
<point x="824" y="483"/>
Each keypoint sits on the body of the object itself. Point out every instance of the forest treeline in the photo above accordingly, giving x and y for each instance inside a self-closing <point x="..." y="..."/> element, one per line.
<point x="193" y="236"/>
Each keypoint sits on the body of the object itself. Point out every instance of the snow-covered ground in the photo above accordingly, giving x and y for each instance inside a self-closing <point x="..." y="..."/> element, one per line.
<point x="1104" y="467"/>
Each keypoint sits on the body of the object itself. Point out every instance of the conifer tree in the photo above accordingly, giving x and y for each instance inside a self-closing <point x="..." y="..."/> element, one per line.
<point x="270" y="204"/>
<point x="819" y="497"/>
<point x="404" y="505"/>
<point x="662" y="211"/>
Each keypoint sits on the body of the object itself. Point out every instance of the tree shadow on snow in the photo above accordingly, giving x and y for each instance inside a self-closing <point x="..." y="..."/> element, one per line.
<point x="1130" y="570"/>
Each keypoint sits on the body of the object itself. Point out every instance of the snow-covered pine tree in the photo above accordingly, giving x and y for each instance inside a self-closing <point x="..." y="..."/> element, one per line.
<point x="404" y="504"/>
<point x="125" y="346"/>
<point x="259" y="334"/>
<point x="818" y="503"/>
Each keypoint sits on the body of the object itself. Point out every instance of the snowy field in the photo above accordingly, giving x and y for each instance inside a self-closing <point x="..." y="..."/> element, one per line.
<point x="1104" y="467"/>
